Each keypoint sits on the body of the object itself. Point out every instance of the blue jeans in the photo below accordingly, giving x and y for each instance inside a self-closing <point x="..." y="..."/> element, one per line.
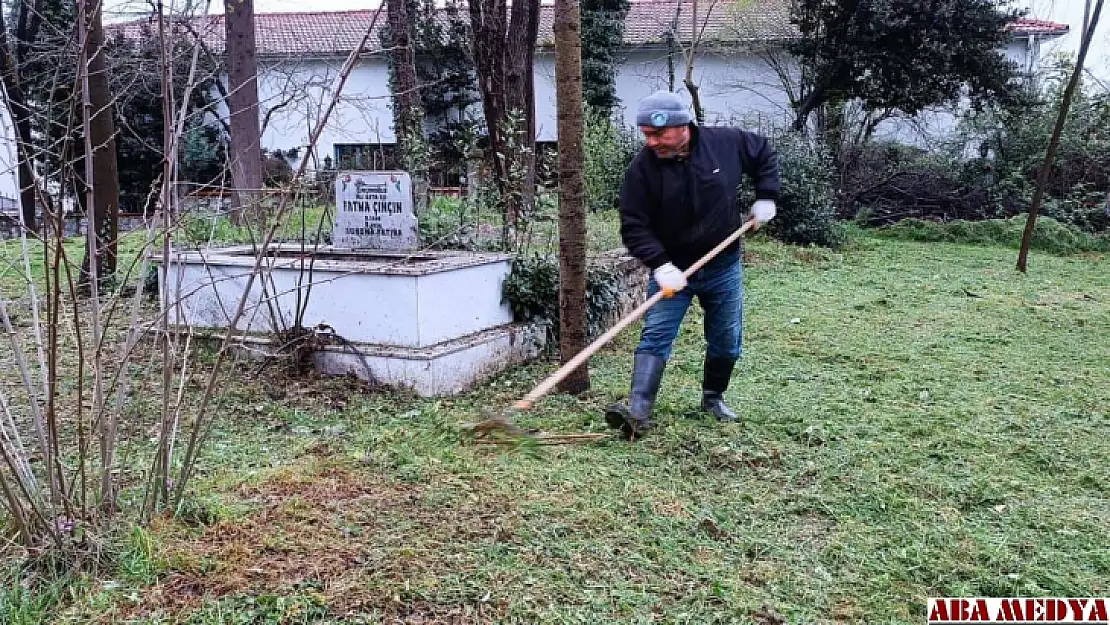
<point x="719" y="289"/>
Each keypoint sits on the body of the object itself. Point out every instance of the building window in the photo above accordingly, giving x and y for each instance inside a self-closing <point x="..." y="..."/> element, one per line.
<point x="367" y="156"/>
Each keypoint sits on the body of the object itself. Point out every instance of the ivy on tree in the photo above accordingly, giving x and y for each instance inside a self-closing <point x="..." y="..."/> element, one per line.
<point x="445" y="66"/>
<point x="602" y="36"/>
<point x="444" y="70"/>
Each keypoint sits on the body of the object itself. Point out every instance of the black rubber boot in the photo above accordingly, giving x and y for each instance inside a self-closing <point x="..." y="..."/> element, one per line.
<point x="635" y="419"/>
<point x="715" y="379"/>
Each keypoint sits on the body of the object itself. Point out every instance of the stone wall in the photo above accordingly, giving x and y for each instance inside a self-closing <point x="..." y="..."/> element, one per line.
<point x="632" y="281"/>
<point x="10" y="225"/>
<point x="73" y="226"/>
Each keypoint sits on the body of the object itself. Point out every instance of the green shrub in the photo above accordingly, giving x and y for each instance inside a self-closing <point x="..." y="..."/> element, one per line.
<point x="203" y="157"/>
<point x="609" y="150"/>
<point x="1049" y="235"/>
<point x="806" y="210"/>
<point x="444" y="225"/>
<point x="532" y="291"/>
<point x="529" y="288"/>
<point x="1084" y="207"/>
<point x="199" y="230"/>
<point x="24" y="602"/>
<point x="276" y="171"/>
<point x="1013" y="141"/>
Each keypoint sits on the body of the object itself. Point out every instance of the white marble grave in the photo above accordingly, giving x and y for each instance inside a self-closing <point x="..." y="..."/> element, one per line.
<point x="433" y="321"/>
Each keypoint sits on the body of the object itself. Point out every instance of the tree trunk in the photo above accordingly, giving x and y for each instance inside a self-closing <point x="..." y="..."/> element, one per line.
<point x="408" y="112"/>
<point x="103" y="222"/>
<point x="487" y="24"/>
<point x="809" y="103"/>
<point x="572" y="192"/>
<point x="245" y="156"/>
<point x="1054" y="142"/>
<point x="695" y="100"/>
<point x="691" y="87"/>
<point x="670" y="62"/>
<point x="21" y="119"/>
<point x="521" y="101"/>
<point x="503" y="59"/>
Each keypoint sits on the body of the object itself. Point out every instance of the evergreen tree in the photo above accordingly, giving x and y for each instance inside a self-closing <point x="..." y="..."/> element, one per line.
<point x="136" y="83"/>
<point x="602" y="36"/>
<point x="445" y="69"/>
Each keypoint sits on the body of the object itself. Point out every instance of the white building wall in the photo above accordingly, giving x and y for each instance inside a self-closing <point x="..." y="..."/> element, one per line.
<point x="734" y="87"/>
<point x="9" y="174"/>
<point x="300" y="89"/>
<point x="731" y="87"/>
<point x="543" y="81"/>
<point x="294" y="94"/>
<point x="936" y="127"/>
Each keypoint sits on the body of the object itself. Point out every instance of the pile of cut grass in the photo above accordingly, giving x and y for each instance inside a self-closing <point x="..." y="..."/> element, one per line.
<point x="1049" y="235"/>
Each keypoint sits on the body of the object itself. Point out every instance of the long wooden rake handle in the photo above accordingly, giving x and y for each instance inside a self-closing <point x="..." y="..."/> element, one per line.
<point x="545" y="387"/>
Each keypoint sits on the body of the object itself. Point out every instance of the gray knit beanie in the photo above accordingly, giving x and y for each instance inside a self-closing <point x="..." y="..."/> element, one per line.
<point x="662" y="109"/>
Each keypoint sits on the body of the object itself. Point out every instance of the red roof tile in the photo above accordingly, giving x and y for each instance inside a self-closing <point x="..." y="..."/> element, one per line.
<point x="648" y="21"/>
<point x="335" y="33"/>
<point x="1030" y="26"/>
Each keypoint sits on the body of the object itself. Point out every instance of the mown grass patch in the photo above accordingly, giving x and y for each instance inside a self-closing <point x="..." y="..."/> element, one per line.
<point x="918" y="420"/>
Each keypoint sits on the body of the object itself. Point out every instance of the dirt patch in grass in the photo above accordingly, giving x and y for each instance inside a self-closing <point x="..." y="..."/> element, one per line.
<point x="359" y="542"/>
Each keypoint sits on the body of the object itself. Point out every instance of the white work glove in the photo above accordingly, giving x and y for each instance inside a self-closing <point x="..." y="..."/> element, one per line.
<point x="763" y="211"/>
<point x="670" y="279"/>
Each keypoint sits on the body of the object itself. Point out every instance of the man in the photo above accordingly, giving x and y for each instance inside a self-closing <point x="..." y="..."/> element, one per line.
<point x="679" y="201"/>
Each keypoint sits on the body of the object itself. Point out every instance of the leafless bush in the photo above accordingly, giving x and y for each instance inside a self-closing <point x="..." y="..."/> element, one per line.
<point x="106" y="408"/>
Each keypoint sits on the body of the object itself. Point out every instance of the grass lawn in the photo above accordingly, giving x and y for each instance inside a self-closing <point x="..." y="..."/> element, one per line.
<point x="919" y="420"/>
<point x="298" y="224"/>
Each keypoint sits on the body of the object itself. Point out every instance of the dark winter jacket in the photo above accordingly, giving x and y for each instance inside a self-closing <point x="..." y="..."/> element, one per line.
<point x="676" y="210"/>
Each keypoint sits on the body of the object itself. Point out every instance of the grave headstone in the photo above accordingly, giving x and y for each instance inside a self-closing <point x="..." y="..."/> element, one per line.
<point x="374" y="210"/>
